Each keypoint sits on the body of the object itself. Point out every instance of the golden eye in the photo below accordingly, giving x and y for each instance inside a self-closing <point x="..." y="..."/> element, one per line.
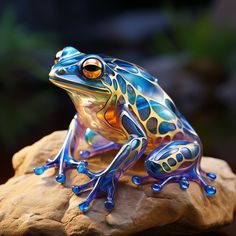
<point x="92" y="68"/>
<point x="57" y="57"/>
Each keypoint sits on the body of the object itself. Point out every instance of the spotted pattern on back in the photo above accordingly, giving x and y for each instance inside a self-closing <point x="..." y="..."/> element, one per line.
<point x="166" y="127"/>
<point x="139" y="88"/>
<point x="152" y="125"/>
<point x="143" y="107"/>
<point x="121" y="83"/>
<point x="131" y="94"/>
<point x="162" y="111"/>
<point x="114" y="84"/>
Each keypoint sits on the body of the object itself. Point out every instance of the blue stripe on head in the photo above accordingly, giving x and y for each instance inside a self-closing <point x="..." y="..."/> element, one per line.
<point x="69" y="51"/>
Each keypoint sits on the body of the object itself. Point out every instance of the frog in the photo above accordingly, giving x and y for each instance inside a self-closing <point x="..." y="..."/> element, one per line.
<point x="120" y="106"/>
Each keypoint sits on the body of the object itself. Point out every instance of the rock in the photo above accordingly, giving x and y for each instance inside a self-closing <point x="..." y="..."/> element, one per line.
<point x="37" y="205"/>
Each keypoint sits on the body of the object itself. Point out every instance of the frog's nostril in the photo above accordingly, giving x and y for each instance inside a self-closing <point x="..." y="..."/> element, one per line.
<point x="61" y="71"/>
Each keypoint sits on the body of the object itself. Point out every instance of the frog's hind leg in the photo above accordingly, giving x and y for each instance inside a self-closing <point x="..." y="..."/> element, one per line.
<point x="176" y="162"/>
<point x="97" y="144"/>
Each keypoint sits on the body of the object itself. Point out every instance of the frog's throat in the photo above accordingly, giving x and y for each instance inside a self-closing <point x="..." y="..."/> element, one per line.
<point x="69" y="86"/>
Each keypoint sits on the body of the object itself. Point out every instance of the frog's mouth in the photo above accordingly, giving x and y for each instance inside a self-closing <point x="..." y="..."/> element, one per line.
<point x="70" y="85"/>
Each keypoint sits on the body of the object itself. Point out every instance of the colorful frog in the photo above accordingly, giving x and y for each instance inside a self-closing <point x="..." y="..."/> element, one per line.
<point x="122" y="107"/>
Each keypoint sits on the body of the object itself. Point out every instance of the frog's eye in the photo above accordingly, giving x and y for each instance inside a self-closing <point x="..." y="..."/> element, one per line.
<point x="92" y="68"/>
<point x="57" y="57"/>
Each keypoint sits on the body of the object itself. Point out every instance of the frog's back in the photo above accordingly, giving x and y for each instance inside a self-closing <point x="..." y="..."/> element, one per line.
<point x="154" y="108"/>
<point x="137" y="78"/>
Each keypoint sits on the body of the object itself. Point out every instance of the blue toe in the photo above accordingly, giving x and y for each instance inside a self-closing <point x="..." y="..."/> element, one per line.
<point x="76" y="189"/>
<point x="109" y="205"/>
<point x="84" y="153"/>
<point x="39" y="170"/>
<point x="61" y="178"/>
<point x="184" y="184"/>
<point x="84" y="206"/>
<point x="210" y="190"/>
<point x="156" y="188"/>
<point x="136" y="180"/>
<point x="81" y="168"/>
<point x="211" y="175"/>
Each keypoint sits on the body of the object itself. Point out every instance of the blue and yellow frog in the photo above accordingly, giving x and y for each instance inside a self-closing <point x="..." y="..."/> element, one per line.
<point x="120" y="106"/>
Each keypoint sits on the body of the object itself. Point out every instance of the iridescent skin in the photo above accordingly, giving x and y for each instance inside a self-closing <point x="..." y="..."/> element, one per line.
<point x="124" y="108"/>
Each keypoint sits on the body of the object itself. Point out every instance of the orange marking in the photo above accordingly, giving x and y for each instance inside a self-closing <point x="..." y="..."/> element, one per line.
<point x="111" y="117"/>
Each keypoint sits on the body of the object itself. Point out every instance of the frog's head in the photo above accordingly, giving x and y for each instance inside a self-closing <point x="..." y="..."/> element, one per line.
<point x="82" y="75"/>
<point x="95" y="79"/>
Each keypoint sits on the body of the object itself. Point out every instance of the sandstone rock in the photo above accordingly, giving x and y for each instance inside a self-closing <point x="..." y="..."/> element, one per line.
<point x="37" y="205"/>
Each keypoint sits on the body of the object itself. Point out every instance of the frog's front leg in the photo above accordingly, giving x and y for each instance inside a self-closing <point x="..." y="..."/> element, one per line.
<point x="178" y="161"/>
<point x="76" y="134"/>
<point x="105" y="181"/>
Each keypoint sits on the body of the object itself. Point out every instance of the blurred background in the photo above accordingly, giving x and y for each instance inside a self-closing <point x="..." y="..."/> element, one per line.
<point x="188" y="45"/>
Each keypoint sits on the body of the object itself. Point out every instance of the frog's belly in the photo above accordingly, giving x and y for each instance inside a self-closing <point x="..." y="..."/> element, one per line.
<point x="90" y="120"/>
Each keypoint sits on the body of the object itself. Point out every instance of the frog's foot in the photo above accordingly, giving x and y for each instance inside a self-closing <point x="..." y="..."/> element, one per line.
<point x="103" y="182"/>
<point x="200" y="176"/>
<point x="62" y="162"/>
<point x="183" y="181"/>
<point x="157" y="186"/>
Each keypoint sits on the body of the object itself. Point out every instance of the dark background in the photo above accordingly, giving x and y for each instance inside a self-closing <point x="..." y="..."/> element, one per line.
<point x="188" y="45"/>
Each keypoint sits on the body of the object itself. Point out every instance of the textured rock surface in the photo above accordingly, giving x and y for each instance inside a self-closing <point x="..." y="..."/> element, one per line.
<point x="37" y="205"/>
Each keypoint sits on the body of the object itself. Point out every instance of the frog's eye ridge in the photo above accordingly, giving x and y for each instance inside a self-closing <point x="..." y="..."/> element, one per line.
<point x="92" y="68"/>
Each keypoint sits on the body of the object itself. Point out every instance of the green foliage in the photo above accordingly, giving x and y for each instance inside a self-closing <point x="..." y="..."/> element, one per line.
<point x="22" y="52"/>
<point x="200" y="37"/>
<point x="25" y="59"/>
